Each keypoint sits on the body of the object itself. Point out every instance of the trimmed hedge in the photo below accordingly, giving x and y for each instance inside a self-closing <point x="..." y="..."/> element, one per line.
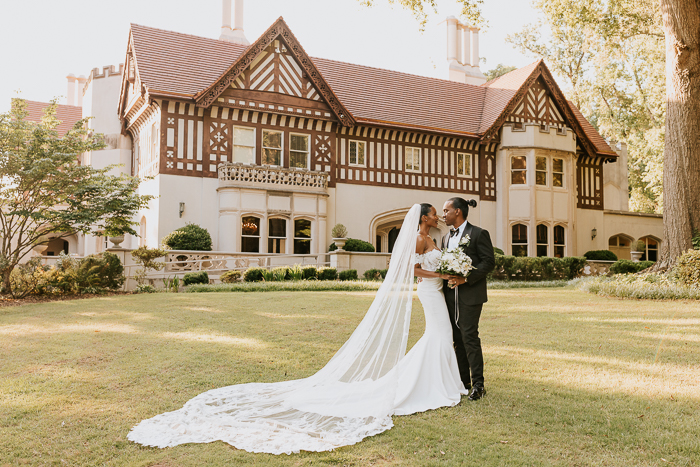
<point x="229" y="277"/>
<point x="189" y="237"/>
<point x="600" y="255"/>
<point x="498" y="251"/>
<point x="349" y="275"/>
<point x="201" y="277"/>
<point x="354" y="244"/>
<point x="253" y="274"/>
<point x="309" y="272"/>
<point x="375" y="274"/>
<point x="625" y="266"/>
<point x="327" y="274"/>
<point x="541" y="268"/>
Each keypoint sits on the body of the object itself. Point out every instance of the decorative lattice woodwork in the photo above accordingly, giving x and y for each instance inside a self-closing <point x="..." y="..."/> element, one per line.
<point x="487" y="172"/>
<point x="589" y="182"/>
<point x="537" y="106"/>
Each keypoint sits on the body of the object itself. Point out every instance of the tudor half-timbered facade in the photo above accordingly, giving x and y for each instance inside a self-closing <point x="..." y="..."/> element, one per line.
<point x="268" y="148"/>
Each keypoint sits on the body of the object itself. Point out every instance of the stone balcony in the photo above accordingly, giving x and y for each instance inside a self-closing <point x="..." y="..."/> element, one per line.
<point x="236" y="174"/>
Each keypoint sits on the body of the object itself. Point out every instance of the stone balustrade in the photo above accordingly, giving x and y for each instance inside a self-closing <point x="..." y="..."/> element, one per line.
<point x="278" y="178"/>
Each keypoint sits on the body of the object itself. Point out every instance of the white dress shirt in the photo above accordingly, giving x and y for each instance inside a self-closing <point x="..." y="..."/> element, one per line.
<point x="454" y="240"/>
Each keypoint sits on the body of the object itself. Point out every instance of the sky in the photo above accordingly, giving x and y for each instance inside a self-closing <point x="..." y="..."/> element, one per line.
<point x="45" y="40"/>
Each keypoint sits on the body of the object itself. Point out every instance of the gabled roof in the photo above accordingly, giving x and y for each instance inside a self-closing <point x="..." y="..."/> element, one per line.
<point x="192" y="67"/>
<point x="67" y="114"/>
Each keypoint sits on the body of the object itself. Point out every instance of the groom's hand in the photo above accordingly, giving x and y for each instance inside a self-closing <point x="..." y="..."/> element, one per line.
<point x="456" y="281"/>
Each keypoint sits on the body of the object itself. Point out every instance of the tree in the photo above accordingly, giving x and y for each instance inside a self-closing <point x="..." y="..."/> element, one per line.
<point x="45" y="192"/>
<point x="681" y="176"/>
<point x="500" y="70"/>
<point x="610" y="55"/>
<point x="471" y="11"/>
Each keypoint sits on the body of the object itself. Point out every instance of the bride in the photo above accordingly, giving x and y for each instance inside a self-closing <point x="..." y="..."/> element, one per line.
<point x="354" y="396"/>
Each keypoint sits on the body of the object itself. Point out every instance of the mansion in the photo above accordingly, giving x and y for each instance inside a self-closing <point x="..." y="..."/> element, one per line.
<point x="269" y="148"/>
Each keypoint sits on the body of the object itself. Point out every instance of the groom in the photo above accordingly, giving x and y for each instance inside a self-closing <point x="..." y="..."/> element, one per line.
<point x="472" y="293"/>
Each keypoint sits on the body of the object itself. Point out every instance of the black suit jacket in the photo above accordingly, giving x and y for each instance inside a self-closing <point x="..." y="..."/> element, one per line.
<point x="480" y="250"/>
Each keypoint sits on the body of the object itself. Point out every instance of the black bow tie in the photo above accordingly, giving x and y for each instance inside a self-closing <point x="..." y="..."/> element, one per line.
<point x="453" y="232"/>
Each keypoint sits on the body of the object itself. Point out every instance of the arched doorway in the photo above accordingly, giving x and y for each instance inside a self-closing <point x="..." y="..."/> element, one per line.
<point x="385" y="228"/>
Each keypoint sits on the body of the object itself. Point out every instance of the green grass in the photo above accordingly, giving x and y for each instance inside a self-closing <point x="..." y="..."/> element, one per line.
<point x="573" y="379"/>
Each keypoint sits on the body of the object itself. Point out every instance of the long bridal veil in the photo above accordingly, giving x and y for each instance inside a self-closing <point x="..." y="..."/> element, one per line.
<point x="350" y="398"/>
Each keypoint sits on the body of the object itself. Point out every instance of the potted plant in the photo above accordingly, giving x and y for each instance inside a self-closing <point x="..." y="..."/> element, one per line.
<point x="339" y="233"/>
<point x="638" y="249"/>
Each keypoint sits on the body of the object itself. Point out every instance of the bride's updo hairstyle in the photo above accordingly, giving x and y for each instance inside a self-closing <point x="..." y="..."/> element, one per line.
<point x="424" y="211"/>
<point x="463" y="205"/>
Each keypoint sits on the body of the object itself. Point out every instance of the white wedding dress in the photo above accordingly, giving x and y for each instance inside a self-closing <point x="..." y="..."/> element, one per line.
<point x="354" y="396"/>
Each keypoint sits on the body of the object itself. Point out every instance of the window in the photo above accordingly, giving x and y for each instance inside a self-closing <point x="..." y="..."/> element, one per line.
<point x="302" y="237"/>
<point x="541" y="170"/>
<point x="559" y="241"/>
<point x="272" y="147"/>
<point x="276" y="235"/>
<point x="542" y="240"/>
<point x="620" y="246"/>
<point x="464" y="164"/>
<point x="413" y="159"/>
<point x="518" y="170"/>
<point x="250" y="234"/>
<point x="244" y="145"/>
<point x="299" y="151"/>
<point x="357" y="153"/>
<point x="557" y="172"/>
<point x="651" y="252"/>
<point x="519" y="243"/>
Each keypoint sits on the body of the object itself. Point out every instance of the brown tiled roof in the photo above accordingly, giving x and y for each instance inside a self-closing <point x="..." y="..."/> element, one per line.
<point x="67" y="114"/>
<point x="171" y="63"/>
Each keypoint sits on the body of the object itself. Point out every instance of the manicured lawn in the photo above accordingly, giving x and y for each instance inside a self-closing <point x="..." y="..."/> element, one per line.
<point x="572" y="379"/>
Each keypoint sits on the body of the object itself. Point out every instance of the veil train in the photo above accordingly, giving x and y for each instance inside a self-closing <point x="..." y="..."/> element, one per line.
<point x="350" y="398"/>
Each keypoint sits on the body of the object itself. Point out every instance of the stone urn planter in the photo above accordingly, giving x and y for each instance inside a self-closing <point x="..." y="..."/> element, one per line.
<point x="340" y="243"/>
<point x="116" y="241"/>
<point x="636" y="255"/>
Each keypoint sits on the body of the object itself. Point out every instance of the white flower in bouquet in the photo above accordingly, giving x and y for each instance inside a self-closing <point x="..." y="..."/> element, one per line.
<point x="455" y="262"/>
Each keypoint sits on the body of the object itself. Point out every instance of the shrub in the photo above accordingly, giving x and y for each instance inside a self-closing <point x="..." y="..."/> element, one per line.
<point x="253" y="274"/>
<point x="143" y="288"/>
<point x="373" y="275"/>
<point x="309" y="272"/>
<point x="230" y="277"/>
<point x="687" y="268"/>
<point x="189" y="237"/>
<point x="696" y="239"/>
<point x="327" y="274"/>
<point x="354" y="244"/>
<point x="280" y="273"/>
<point x="349" y="275"/>
<point x="339" y="231"/>
<point x="625" y="266"/>
<point x="29" y="278"/>
<point x="536" y="268"/>
<point x="92" y="274"/>
<point x="200" y="277"/>
<point x="146" y="258"/>
<point x="600" y="255"/>
<point x="498" y="251"/>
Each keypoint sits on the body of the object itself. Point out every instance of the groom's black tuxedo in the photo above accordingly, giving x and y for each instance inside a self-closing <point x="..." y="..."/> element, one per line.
<point x="472" y="296"/>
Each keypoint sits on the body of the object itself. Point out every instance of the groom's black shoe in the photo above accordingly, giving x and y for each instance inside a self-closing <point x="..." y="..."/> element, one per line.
<point x="477" y="393"/>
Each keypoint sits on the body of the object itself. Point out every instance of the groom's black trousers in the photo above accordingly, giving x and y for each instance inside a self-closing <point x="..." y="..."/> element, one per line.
<point x="470" y="358"/>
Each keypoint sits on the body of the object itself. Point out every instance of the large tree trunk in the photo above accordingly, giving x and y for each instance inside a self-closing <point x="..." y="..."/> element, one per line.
<point x="682" y="147"/>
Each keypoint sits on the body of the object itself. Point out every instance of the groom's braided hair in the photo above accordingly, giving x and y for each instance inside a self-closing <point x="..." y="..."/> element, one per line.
<point x="462" y="204"/>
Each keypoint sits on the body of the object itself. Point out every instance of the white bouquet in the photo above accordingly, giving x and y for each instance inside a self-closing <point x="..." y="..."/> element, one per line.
<point x="455" y="261"/>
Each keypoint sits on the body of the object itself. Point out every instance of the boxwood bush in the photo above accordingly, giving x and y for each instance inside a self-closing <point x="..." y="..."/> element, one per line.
<point x="536" y="268"/>
<point x="625" y="266"/>
<point x="253" y="274"/>
<point x="327" y="274"/>
<point x="189" y="237"/>
<point x="354" y="244"/>
<point x="349" y="275"/>
<point x="230" y="277"/>
<point x="201" y="277"/>
<point x="600" y="255"/>
<point x="309" y="272"/>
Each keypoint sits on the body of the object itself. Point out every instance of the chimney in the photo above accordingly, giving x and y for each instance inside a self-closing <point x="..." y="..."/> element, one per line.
<point x="236" y="34"/>
<point x="454" y="52"/>
<point x="81" y="89"/>
<point x="466" y="47"/>
<point x="473" y="74"/>
<point x="70" y="96"/>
